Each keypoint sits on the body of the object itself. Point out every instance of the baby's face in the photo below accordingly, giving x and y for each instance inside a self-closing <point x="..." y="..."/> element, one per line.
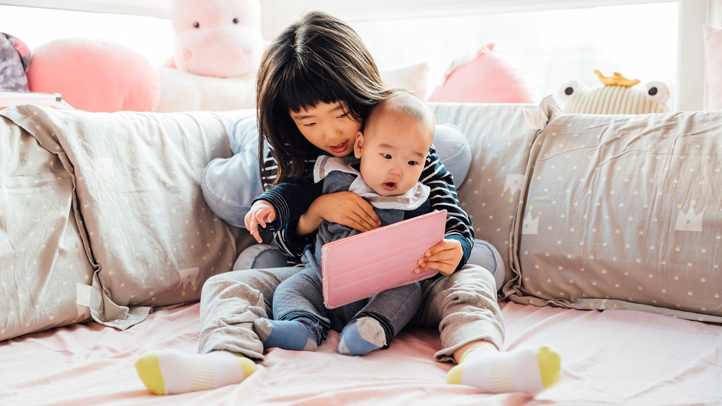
<point x="393" y="152"/>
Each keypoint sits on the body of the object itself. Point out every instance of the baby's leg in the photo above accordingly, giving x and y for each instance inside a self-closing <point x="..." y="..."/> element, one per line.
<point x="380" y="320"/>
<point x="299" y="321"/>
<point x="299" y="334"/>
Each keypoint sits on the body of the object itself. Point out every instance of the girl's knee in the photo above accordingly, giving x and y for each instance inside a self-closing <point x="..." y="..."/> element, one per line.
<point x="486" y="256"/>
<point x="260" y="256"/>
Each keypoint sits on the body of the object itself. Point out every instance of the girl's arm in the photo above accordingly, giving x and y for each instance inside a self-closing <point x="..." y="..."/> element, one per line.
<point x="290" y="200"/>
<point x="443" y="197"/>
<point x="288" y="242"/>
<point x="346" y="208"/>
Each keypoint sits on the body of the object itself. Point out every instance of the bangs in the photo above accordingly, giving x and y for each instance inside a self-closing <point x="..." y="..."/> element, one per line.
<point x="303" y="88"/>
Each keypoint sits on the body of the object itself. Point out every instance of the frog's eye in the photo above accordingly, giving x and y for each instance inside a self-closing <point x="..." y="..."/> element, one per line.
<point x="656" y="92"/>
<point x="570" y="90"/>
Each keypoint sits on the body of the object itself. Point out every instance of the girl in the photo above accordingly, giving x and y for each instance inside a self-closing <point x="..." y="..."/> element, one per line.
<point x="316" y="84"/>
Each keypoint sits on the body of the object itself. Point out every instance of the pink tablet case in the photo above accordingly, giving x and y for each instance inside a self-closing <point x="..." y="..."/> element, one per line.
<point x="358" y="267"/>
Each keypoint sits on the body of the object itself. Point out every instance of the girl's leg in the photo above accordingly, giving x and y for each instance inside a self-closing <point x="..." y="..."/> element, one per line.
<point x="454" y="151"/>
<point x="472" y="331"/>
<point x="463" y="306"/>
<point x="260" y="256"/>
<point x="487" y="257"/>
<point x="230" y="303"/>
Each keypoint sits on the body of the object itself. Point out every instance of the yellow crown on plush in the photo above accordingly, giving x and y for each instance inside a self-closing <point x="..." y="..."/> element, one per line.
<point x="616" y="96"/>
<point x="616" y="80"/>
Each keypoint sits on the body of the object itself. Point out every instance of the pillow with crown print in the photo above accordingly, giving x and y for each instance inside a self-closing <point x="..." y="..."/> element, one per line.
<point x="622" y="211"/>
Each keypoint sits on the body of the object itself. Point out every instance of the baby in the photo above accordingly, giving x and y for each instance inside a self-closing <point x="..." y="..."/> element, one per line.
<point x="389" y="156"/>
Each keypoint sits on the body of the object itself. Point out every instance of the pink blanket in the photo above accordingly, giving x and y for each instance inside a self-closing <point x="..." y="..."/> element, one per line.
<point x="614" y="357"/>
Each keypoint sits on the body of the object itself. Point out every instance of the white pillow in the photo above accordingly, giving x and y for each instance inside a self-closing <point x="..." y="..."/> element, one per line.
<point x="183" y="91"/>
<point x="713" y="68"/>
<point x="414" y="78"/>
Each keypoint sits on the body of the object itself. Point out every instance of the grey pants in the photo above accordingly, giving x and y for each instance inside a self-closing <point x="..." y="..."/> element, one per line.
<point x="462" y="305"/>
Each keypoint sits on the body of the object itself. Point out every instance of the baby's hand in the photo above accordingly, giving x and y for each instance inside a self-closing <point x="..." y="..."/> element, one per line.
<point x="444" y="256"/>
<point x="261" y="213"/>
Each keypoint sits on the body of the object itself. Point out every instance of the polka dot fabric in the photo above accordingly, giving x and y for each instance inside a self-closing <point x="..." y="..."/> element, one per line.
<point x="500" y="141"/>
<point x="152" y="238"/>
<point x="624" y="212"/>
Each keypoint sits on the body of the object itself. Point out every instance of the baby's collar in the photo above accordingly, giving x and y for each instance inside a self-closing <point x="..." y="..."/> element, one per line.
<point x="410" y="200"/>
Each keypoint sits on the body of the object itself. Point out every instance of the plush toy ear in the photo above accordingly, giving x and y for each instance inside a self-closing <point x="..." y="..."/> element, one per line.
<point x="22" y="50"/>
<point x="657" y="92"/>
<point x="569" y="90"/>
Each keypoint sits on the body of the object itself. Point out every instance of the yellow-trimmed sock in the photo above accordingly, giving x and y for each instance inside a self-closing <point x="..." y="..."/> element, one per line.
<point x="167" y="372"/>
<point x="529" y="369"/>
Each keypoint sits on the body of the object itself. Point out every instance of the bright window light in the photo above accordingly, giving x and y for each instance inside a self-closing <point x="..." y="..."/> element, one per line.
<point x="151" y="37"/>
<point x="552" y="46"/>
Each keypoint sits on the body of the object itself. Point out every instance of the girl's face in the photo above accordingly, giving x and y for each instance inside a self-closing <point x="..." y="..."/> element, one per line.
<point x="329" y="127"/>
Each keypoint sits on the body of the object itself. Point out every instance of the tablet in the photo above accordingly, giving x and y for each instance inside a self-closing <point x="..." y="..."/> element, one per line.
<point x="360" y="266"/>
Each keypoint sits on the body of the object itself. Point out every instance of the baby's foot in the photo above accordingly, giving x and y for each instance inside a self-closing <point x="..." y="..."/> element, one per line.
<point x="298" y="335"/>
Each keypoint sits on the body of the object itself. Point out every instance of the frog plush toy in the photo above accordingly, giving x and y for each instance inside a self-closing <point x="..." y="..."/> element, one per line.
<point x="617" y="95"/>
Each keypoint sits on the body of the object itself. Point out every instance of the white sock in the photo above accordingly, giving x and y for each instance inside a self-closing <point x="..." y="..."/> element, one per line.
<point x="529" y="369"/>
<point x="168" y="372"/>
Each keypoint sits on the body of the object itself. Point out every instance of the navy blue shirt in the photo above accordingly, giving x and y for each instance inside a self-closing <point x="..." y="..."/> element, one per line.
<point x="442" y="197"/>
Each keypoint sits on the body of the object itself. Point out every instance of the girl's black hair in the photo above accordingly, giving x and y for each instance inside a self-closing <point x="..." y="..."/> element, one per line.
<point x="319" y="59"/>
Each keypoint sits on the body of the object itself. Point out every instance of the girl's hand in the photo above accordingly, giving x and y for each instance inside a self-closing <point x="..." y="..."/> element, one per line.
<point x="346" y="208"/>
<point x="444" y="256"/>
<point x="261" y="213"/>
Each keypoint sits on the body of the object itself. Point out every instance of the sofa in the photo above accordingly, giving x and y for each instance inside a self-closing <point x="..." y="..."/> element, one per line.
<point x="609" y="226"/>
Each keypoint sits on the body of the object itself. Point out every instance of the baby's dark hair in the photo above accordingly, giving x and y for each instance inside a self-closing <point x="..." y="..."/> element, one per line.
<point x="319" y="59"/>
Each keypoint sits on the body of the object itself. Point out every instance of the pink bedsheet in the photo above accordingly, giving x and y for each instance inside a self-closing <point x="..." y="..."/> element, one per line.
<point x="614" y="357"/>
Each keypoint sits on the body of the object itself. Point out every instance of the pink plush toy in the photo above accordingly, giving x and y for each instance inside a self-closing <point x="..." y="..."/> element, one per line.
<point x="486" y="77"/>
<point x="219" y="38"/>
<point x="94" y="75"/>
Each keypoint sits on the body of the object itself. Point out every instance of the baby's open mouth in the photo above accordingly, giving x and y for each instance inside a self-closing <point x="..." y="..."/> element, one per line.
<point x="390" y="186"/>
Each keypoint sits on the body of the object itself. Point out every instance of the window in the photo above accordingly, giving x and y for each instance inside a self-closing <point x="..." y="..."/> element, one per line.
<point x="552" y="41"/>
<point x="551" y="46"/>
<point x="150" y="36"/>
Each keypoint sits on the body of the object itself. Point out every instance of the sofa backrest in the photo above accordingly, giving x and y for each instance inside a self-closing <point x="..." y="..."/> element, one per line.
<point x="598" y="211"/>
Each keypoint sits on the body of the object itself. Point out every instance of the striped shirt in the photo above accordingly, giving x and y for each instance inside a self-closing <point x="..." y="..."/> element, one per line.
<point x="443" y="197"/>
